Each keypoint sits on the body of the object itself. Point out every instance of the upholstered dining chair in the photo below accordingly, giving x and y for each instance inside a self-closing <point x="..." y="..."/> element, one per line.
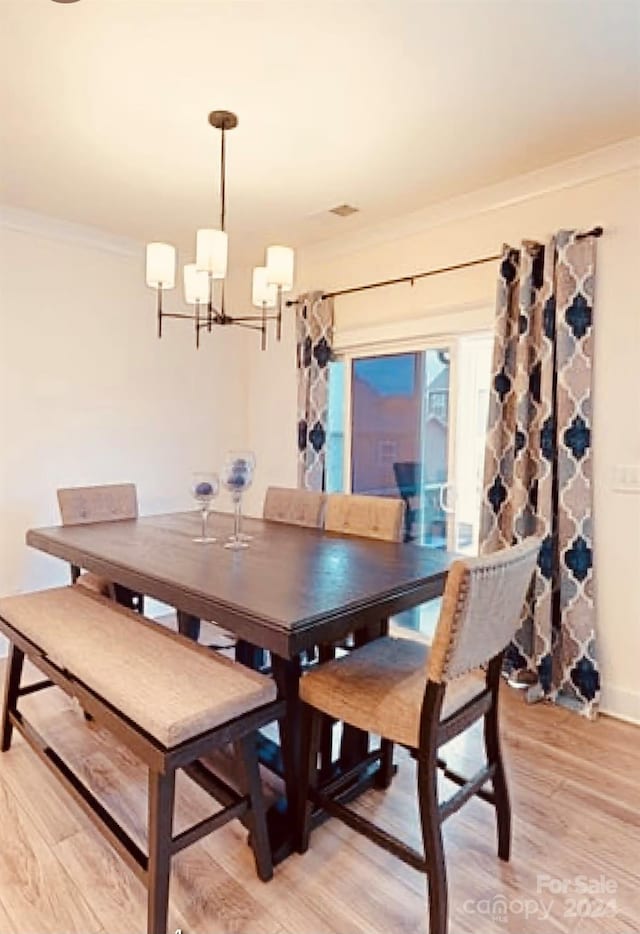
<point x="294" y="507"/>
<point x="422" y="696"/>
<point x="380" y="517"/>
<point x="376" y="517"/>
<point x="107" y="503"/>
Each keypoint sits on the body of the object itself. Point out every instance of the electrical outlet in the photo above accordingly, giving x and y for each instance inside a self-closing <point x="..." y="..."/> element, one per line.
<point x="626" y="478"/>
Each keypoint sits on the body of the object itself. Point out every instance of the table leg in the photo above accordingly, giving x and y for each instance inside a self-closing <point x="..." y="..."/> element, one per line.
<point x="280" y="820"/>
<point x="188" y="625"/>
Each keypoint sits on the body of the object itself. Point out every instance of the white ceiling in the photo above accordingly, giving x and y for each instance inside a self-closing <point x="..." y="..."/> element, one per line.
<point x="386" y="104"/>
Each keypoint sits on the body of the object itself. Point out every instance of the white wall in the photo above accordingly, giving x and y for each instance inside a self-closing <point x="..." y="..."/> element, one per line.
<point x="600" y="188"/>
<point x="88" y="394"/>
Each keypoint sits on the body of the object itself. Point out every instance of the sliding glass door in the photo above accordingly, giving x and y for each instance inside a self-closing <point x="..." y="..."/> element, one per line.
<point x="392" y="432"/>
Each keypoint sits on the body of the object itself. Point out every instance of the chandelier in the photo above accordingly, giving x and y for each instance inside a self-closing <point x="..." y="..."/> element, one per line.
<point x="269" y="281"/>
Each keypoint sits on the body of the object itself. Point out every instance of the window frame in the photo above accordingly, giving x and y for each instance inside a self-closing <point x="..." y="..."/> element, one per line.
<point x="447" y="340"/>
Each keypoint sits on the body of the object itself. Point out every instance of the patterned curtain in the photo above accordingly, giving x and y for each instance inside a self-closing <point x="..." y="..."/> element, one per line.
<point x="315" y="340"/>
<point x="538" y="462"/>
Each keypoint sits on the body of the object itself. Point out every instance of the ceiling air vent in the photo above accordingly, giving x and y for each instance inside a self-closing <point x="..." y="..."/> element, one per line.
<point x="343" y="210"/>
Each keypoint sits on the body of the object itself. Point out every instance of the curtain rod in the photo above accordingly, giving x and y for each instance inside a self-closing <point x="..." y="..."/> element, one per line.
<point x="594" y="232"/>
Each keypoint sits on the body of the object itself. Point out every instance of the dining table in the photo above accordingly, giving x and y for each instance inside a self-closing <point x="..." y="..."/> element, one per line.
<point x="292" y="589"/>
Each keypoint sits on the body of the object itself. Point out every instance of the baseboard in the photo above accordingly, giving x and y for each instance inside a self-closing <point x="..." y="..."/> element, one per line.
<point x="621" y="704"/>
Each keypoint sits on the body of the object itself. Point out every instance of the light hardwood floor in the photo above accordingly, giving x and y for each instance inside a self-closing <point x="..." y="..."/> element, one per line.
<point x="576" y="804"/>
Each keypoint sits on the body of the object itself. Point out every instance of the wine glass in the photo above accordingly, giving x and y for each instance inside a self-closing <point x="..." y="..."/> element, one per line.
<point x="204" y="488"/>
<point x="251" y="460"/>
<point x="237" y="474"/>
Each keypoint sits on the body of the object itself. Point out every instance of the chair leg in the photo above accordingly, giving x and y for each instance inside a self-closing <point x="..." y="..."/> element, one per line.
<point x="384" y="775"/>
<point x="500" y="789"/>
<point x="11" y="688"/>
<point x="256" y="821"/>
<point x="326" y="653"/>
<point x="311" y="727"/>
<point x="432" y="839"/>
<point x="161" y="800"/>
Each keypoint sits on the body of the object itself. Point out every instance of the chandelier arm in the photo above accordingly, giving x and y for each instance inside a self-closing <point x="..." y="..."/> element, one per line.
<point x="254" y="318"/>
<point x="279" y="315"/>
<point x="159" y="312"/>
<point x="242" y="324"/>
<point x="178" y="314"/>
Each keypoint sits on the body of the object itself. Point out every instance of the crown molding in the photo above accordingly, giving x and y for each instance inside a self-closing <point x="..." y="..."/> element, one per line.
<point x="54" y="228"/>
<point x="619" y="157"/>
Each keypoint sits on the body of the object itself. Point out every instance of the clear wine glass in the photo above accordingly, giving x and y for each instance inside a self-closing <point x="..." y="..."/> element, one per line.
<point x="205" y="486"/>
<point x="251" y="459"/>
<point x="237" y="475"/>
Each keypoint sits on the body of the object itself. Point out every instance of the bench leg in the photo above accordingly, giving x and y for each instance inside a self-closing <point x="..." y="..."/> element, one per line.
<point x="161" y="799"/>
<point x="11" y="689"/>
<point x="256" y="820"/>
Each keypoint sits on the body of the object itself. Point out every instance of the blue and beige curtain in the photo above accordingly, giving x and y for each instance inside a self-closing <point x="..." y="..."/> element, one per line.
<point x="314" y="344"/>
<point x="538" y="462"/>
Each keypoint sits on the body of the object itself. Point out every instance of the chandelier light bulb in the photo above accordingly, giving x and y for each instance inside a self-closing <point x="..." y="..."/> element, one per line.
<point x="211" y="252"/>
<point x="280" y="267"/>
<point x="161" y="265"/>
<point x="263" y="293"/>
<point x="196" y="285"/>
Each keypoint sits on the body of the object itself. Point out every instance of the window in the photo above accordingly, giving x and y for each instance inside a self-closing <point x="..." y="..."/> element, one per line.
<point x="413" y="425"/>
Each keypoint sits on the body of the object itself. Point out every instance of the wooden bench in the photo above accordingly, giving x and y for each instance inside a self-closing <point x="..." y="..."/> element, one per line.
<point x="167" y="700"/>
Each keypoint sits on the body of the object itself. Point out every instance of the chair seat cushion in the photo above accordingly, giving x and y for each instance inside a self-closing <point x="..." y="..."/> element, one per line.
<point x="379" y="688"/>
<point x="171" y="688"/>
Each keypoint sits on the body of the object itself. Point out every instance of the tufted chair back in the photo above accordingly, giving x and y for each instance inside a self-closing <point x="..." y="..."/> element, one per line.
<point x="481" y="609"/>
<point x="366" y="516"/>
<point x="294" y="507"/>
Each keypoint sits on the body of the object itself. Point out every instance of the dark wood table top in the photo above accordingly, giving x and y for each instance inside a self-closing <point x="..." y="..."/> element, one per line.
<point x="292" y="588"/>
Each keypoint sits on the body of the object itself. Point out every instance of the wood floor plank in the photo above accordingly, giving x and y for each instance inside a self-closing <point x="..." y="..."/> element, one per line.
<point x="6" y="925"/>
<point x="23" y="775"/>
<point x="37" y="893"/>
<point x="306" y="911"/>
<point x="576" y="804"/>
<point x="118" y="899"/>
<point x="212" y="900"/>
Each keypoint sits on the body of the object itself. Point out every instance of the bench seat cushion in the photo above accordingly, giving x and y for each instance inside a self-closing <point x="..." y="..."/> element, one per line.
<point x="168" y="687"/>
